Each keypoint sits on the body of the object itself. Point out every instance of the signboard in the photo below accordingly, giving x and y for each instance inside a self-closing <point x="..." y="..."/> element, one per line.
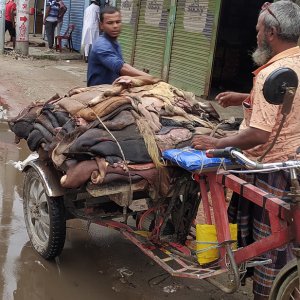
<point x="195" y="14"/>
<point x="22" y="21"/>
<point x="126" y="10"/>
<point x="153" y="12"/>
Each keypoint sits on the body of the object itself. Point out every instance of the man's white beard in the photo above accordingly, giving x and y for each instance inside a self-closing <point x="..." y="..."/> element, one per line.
<point x="262" y="54"/>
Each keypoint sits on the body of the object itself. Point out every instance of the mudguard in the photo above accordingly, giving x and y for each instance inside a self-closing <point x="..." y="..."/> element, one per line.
<point x="49" y="176"/>
<point x="281" y="276"/>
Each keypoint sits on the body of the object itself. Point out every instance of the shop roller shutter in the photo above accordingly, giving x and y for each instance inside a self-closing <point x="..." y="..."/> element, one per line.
<point x="76" y="18"/>
<point x="129" y="10"/>
<point x="66" y="17"/>
<point x="151" y="36"/>
<point x="193" y="44"/>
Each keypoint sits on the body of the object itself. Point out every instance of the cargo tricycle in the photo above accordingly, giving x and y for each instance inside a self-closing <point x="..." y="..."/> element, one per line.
<point x="165" y="229"/>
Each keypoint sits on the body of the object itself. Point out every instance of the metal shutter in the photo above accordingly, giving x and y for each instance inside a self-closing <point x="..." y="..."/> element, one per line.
<point x="151" y="36"/>
<point x="76" y="18"/>
<point x="193" y="44"/>
<point x="129" y="11"/>
<point x="66" y="17"/>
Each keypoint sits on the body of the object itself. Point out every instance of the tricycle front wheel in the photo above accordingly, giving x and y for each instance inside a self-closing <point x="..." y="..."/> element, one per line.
<point x="44" y="217"/>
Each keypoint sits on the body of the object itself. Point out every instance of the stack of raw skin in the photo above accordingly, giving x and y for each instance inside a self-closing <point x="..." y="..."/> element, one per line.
<point x="108" y="133"/>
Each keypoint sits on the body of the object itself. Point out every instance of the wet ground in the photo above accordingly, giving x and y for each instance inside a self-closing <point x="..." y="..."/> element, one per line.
<point x="96" y="263"/>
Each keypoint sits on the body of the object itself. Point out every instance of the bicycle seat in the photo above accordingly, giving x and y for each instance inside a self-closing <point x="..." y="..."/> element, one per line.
<point x="195" y="160"/>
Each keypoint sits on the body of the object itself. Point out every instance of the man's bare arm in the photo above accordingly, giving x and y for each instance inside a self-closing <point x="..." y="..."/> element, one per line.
<point x="226" y="99"/>
<point x="245" y="139"/>
<point x="131" y="71"/>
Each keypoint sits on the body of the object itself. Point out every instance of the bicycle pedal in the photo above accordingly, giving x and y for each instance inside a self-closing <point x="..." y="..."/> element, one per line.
<point x="255" y="263"/>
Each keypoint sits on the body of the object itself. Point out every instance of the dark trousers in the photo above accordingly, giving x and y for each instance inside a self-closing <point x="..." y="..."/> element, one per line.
<point x="50" y="28"/>
<point x="11" y="29"/>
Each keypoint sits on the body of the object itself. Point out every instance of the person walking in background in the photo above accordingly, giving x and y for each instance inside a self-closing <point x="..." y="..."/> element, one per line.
<point x="50" y="21"/>
<point x="106" y="62"/>
<point x="62" y="10"/>
<point x="10" y="11"/>
<point x="90" y="30"/>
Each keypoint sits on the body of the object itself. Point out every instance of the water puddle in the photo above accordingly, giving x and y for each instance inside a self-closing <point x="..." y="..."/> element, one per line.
<point x="12" y="231"/>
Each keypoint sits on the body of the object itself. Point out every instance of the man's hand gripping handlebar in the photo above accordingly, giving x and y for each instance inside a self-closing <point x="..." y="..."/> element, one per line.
<point x="238" y="157"/>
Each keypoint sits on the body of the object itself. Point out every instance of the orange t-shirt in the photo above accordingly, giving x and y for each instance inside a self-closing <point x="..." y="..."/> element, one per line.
<point x="258" y="113"/>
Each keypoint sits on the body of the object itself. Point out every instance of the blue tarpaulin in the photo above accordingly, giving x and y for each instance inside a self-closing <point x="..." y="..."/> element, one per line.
<point x="194" y="160"/>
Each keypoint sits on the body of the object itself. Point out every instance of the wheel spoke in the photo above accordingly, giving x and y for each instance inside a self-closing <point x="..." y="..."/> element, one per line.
<point x="45" y="228"/>
<point x="45" y="220"/>
<point x="32" y="193"/>
<point x="32" y="220"/>
<point x="295" y="294"/>
<point x="36" y="189"/>
<point x="41" y="191"/>
<point x="39" y="231"/>
<point x="41" y="197"/>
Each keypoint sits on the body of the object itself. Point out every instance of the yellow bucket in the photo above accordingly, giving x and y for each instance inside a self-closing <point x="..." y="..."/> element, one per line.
<point x="207" y="242"/>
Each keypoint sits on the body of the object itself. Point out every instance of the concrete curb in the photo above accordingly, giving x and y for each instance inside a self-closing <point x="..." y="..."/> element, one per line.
<point x="54" y="57"/>
<point x="40" y="54"/>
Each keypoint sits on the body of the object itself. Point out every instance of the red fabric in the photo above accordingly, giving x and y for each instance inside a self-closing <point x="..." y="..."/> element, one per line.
<point x="10" y="6"/>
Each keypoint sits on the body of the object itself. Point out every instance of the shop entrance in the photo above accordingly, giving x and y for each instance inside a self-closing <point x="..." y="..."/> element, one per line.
<point x="236" y="40"/>
<point x="36" y="14"/>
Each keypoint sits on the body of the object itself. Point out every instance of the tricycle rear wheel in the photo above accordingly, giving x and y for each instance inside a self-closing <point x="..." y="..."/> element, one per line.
<point x="290" y="287"/>
<point x="44" y="217"/>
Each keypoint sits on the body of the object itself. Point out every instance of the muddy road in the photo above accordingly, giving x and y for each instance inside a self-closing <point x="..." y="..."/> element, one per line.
<point x="96" y="263"/>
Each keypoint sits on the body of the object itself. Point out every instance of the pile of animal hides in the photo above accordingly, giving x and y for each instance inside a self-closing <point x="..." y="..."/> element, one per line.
<point x="116" y="132"/>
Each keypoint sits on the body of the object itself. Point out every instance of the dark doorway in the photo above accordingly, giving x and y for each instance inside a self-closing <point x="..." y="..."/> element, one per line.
<point x="233" y="66"/>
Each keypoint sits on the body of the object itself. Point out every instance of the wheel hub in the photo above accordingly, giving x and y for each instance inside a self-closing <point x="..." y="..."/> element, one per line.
<point x="35" y="212"/>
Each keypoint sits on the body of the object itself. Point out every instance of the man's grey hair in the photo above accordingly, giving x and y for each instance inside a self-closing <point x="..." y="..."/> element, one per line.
<point x="285" y="18"/>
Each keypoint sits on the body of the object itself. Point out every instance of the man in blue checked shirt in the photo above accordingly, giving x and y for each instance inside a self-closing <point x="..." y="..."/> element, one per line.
<point x="105" y="62"/>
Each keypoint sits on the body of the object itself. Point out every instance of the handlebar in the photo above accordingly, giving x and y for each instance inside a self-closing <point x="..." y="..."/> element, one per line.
<point x="223" y="153"/>
<point x="236" y="155"/>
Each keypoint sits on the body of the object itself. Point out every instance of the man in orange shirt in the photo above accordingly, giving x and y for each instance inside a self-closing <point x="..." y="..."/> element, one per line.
<point x="278" y="31"/>
<point x="10" y="11"/>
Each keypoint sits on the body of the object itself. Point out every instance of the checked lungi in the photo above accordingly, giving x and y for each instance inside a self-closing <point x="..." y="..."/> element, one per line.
<point x="253" y="224"/>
